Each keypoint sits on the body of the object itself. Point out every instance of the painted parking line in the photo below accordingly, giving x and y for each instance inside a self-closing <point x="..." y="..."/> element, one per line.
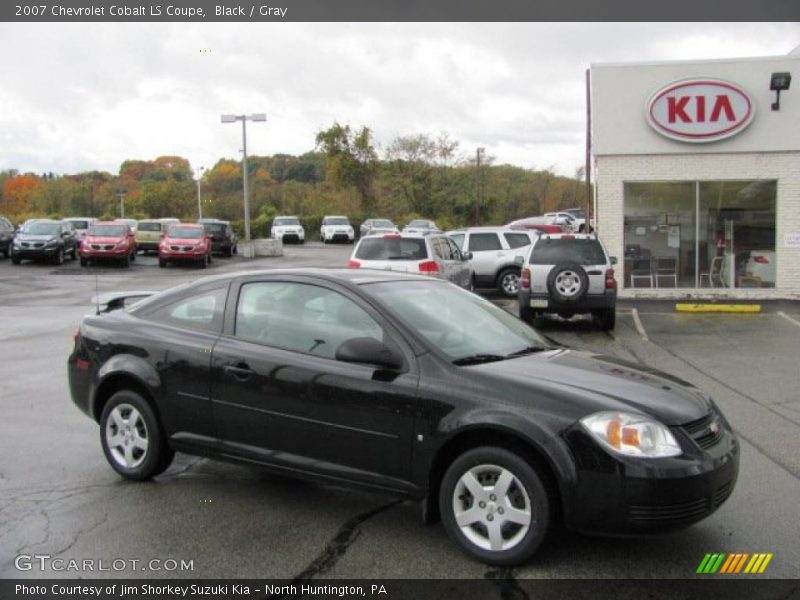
<point x="722" y="308"/>
<point x="638" y="322"/>
<point x="788" y="318"/>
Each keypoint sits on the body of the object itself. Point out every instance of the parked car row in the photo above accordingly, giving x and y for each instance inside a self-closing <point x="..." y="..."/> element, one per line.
<point x="338" y="228"/>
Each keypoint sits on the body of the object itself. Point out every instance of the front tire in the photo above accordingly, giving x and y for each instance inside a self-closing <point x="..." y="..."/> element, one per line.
<point x="162" y="264"/>
<point x="495" y="505"/>
<point x="132" y="439"/>
<point x="59" y="257"/>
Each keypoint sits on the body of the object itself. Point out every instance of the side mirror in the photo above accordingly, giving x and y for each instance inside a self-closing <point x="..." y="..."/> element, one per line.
<point x="465" y="256"/>
<point x="613" y="260"/>
<point x="367" y="350"/>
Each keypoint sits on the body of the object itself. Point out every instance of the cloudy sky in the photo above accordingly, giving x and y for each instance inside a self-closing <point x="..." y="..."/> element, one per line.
<point x="78" y="97"/>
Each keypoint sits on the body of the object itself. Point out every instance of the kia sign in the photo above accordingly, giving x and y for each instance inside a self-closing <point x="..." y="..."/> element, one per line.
<point x="700" y="110"/>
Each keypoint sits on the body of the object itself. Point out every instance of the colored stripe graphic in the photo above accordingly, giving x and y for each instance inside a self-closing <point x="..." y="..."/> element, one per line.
<point x="733" y="563"/>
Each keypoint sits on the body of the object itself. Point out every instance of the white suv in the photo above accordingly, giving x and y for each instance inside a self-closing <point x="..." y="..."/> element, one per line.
<point x="569" y="274"/>
<point x="335" y="228"/>
<point x="497" y="253"/>
<point x="288" y="228"/>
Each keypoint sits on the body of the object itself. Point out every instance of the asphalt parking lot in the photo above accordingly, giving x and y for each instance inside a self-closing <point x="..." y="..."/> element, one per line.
<point x="59" y="497"/>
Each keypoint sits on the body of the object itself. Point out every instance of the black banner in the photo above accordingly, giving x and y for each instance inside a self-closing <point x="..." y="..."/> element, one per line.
<point x="502" y="588"/>
<point x="199" y="11"/>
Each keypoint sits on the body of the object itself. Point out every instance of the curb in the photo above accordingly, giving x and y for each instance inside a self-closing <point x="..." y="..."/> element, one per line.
<point x="722" y="308"/>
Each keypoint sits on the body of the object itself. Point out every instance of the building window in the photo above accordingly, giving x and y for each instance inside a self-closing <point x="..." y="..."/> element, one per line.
<point x="700" y="234"/>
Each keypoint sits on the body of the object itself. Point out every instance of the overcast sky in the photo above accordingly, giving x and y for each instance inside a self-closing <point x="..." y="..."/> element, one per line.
<point x="78" y="97"/>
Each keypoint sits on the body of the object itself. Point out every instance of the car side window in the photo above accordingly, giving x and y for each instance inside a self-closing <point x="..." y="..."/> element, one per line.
<point x="301" y="317"/>
<point x="441" y="249"/>
<point x="455" y="250"/>
<point x="480" y="242"/>
<point x="517" y="240"/>
<point x="458" y="238"/>
<point x="203" y="311"/>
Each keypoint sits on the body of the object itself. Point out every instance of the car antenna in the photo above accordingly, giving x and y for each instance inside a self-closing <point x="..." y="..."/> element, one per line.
<point x="97" y="293"/>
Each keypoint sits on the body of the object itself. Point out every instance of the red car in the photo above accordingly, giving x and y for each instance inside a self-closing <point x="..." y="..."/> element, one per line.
<point x="185" y="242"/>
<point x="108" y="240"/>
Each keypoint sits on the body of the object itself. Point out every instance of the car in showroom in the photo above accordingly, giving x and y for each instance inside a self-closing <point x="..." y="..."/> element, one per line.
<point x="496" y="255"/>
<point x="377" y="226"/>
<point x="45" y="240"/>
<point x="433" y="255"/>
<point x="107" y="241"/>
<point x="336" y="229"/>
<point x="569" y="274"/>
<point x="422" y="226"/>
<point x="223" y="238"/>
<point x="185" y="243"/>
<point x="288" y="229"/>
<point x="402" y="384"/>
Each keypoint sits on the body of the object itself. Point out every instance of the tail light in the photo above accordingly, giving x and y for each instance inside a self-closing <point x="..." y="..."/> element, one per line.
<point x="76" y="335"/>
<point x="525" y="279"/>
<point x="353" y="264"/>
<point x="761" y="259"/>
<point x="429" y="266"/>
<point x="611" y="283"/>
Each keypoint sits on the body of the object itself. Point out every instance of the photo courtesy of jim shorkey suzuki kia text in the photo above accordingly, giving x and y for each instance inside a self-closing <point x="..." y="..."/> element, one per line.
<point x="122" y="590"/>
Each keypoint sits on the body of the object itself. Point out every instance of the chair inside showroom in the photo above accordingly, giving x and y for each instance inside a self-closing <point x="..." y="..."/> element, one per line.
<point x="714" y="274"/>
<point x="642" y="268"/>
<point x="666" y="267"/>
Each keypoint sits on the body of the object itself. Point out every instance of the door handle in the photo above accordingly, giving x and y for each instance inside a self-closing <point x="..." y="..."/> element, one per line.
<point x="241" y="371"/>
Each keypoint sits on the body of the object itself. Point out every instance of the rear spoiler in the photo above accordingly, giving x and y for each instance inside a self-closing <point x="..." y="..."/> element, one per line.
<point x="111" y="301"/>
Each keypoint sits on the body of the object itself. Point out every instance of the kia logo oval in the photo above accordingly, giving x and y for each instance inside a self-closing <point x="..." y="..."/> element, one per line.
<point x="700" y="110"/>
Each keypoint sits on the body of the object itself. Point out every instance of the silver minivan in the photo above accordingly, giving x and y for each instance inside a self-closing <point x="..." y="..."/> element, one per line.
<point x="435" y="255"/>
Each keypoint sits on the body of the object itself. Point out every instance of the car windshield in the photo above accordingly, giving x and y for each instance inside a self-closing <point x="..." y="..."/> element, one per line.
<point x="288" y="221"/>
<point x="151" y="226"/>
<point x="192" y="233"/>
<point x="456" y="322"/>
<point x="43" y="228"/>
<point x="420" y="224"/>
<point x="109" y="230"/>
<point x="382" y="223"/>
<point x="577" y="213"/>
<point x="392" y="248"/>
<point x="79" y="224"/>
<point x="550" y="251"/>
<point x="214" y="227"/>
<point x="337" y="221"/>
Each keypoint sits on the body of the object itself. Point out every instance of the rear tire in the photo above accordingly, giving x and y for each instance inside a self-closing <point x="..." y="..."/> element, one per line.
<point x="15" y="260"/>
<point x="132" y="439"/>
<point x="495" y="505"/>
<point x="162" y="263"/>
<point x="84" y="262"/>
<point x="606" y="319"/>
<point x="508" y="282"/>
<point x="527" y="314"/>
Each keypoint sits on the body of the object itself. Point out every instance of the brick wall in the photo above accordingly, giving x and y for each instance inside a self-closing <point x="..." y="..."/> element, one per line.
<point x="613" y="171"/>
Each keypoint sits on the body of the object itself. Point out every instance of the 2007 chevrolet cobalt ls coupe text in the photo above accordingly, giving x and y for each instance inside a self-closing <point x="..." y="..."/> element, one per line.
<point x="407" y="384"/>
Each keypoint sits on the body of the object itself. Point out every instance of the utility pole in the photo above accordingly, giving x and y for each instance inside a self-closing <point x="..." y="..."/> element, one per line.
<point x="200" y="206"/>
<point x="587" y="192"/>
<point x="121" y="205"/>
<point x="479" y="185"/>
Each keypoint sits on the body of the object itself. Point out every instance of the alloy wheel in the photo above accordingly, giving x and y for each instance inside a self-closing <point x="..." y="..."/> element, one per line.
<point x="127" y="436"/>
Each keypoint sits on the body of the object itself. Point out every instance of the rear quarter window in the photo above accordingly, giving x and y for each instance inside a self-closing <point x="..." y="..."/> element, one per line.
<point x="479" y="242"/>
<point x="517" y="240"/>
<point x="580" y="251"/>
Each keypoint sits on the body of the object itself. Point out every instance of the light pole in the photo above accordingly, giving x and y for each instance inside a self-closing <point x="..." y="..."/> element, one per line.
<point x="199" y="206"/>
<point x="121" y="205"/>
<point x="244" y="119"/>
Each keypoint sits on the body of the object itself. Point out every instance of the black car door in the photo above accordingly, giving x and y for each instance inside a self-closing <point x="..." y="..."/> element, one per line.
<point x="279" y="395"/>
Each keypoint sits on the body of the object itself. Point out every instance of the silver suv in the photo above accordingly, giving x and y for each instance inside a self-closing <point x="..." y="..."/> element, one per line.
<point x="569" y="274"/>
<point x="435" y="255"/>
<point x="496" y="255"/>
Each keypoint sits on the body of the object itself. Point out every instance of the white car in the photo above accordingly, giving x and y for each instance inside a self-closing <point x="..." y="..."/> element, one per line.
<point x="288" y="229"/>
<point x="568" y="220"/>
<point x="82" y="225"/>
<point x="761" y="265"/>
<point x="336" y="228"/>
<point x="435" y="255"/>
<point x="422" y="226"/>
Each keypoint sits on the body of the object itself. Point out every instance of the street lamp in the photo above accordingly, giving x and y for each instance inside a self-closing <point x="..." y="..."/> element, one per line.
<point x="244" y="119"/>
<point x="121" y="205"/>
<point x="199" y="207"/>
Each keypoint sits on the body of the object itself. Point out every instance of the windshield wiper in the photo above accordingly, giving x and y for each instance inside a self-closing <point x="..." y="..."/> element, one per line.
<point x="528" y="350"/>
<point x="476" y="359"/>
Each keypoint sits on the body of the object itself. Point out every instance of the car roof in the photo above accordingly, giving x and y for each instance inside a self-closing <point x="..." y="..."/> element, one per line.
<point x="191" y="225"/>
<point x="118" y="222"/>
<point x="569" y="236"/>
<point x="488" y="229"/>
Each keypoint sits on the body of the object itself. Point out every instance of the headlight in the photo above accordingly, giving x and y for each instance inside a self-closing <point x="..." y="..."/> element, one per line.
<point x="51" y="242"/>
<point x="631" y="434"/>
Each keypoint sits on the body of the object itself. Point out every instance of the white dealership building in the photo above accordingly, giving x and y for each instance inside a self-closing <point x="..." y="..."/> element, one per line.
<point x="697" y="172"/>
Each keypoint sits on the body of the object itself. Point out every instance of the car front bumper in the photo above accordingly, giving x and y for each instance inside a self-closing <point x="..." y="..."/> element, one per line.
<point x="34" y="253"/>
<point x="181" y="256"/>
<point x="617" y="495"/>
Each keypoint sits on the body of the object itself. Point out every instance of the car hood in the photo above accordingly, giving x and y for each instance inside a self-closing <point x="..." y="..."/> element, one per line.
<point x="30" y="237"/>
<point x="595" y="382"/>
<point x="183" y="241"/>
<point x="91" y="239"/>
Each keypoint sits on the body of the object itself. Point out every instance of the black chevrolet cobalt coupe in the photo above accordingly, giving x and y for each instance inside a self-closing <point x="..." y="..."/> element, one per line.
<point x="405" y="384"/>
